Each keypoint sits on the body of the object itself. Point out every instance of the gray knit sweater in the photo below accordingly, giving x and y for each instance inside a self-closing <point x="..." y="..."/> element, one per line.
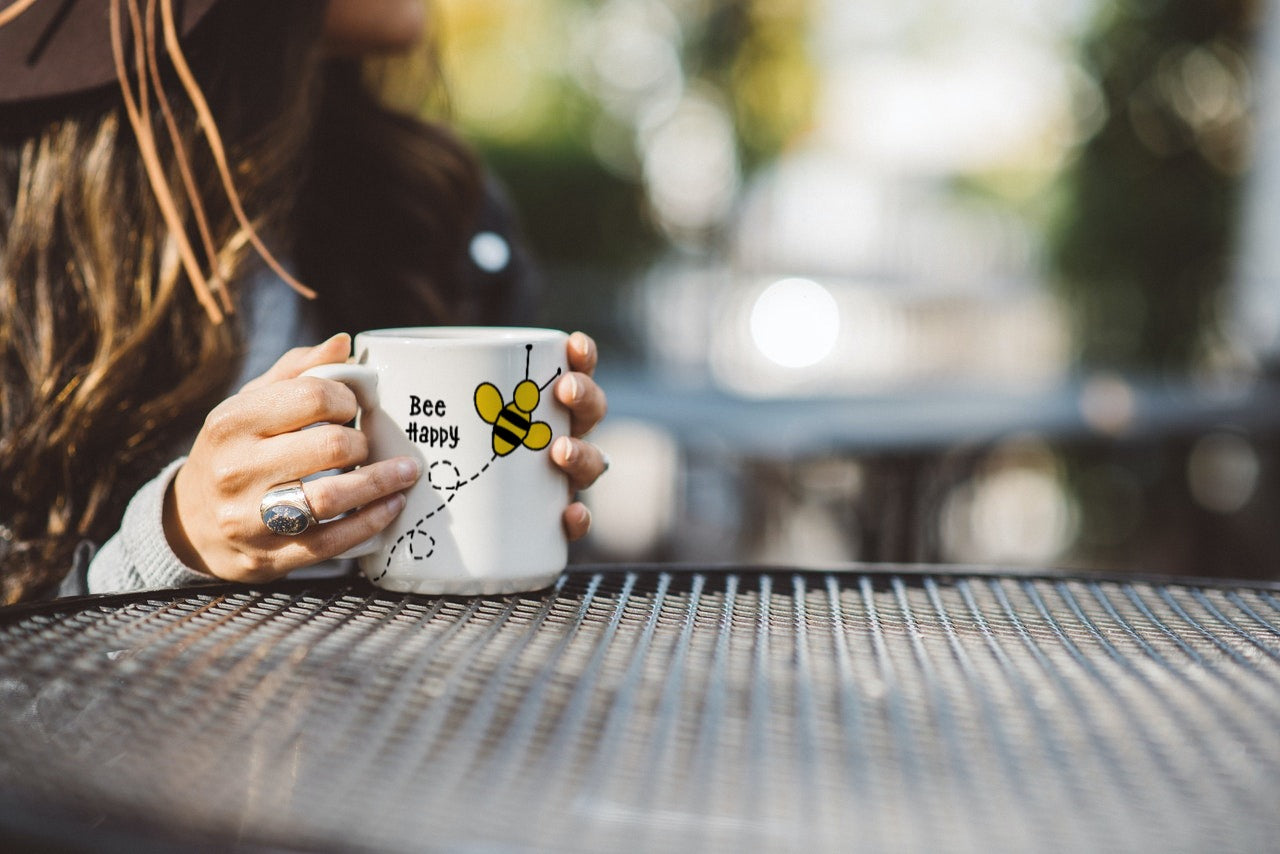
<point x="138" y="557"/>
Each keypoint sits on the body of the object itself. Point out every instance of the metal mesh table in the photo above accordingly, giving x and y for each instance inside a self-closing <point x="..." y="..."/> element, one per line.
<point x="676" y="709"/>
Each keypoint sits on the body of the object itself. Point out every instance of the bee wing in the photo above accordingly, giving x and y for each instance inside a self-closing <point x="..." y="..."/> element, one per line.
<point x="538" y="437"/>
<point x="488" y="402"/>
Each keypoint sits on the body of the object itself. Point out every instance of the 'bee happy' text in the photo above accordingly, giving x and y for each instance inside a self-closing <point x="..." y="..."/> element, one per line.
<point x="427" y="434"/>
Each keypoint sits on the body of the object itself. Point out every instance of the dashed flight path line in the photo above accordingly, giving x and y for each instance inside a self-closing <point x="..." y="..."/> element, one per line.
<point x="452" y="487"/>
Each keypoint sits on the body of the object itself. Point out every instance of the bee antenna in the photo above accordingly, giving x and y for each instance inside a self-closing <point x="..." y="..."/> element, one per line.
<point x="548" y="382"/>
<point x="528" y="351"/>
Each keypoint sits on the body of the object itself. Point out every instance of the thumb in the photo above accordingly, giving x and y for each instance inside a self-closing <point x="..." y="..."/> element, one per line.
<point x="299" y="359"/>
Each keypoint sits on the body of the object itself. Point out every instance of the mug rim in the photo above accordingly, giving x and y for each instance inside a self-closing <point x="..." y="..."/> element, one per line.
<point x="476" y="335"/>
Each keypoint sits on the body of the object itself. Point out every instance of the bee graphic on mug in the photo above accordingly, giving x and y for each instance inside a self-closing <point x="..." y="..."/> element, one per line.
<point x="513" y="423"/>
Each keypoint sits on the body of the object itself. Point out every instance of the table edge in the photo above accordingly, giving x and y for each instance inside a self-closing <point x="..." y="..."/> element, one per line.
<point x="883" y="570"/>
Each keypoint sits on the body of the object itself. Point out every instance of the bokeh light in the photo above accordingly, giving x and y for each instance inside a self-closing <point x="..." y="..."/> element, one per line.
<point x="691" y="165"/>
<point x="490" y="251"/>
<point x="795" y="323"/>
<point x="1015" y="510"/>
<point x="1222" y="472"/>
<point x="1107" y="403"/>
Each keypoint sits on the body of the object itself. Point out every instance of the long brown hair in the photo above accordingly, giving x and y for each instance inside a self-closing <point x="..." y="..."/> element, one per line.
<point x="386" y="210"/>
<point x="107" y="357"/>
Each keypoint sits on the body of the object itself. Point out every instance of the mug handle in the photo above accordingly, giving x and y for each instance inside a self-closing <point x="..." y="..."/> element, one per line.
<point x="363" y="380"/>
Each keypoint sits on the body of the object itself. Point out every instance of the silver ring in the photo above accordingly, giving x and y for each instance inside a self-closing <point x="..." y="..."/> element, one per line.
<point x="286" y="510"/>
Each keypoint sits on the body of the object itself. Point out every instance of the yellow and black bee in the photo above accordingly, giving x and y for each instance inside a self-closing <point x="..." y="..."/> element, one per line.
<point x="513" y="423"/>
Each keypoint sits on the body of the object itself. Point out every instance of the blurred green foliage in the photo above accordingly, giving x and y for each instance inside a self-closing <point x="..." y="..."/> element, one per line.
<point x="524" y="96"/>
<point x="756" y="52"/>
<point x="1148" y="210"/>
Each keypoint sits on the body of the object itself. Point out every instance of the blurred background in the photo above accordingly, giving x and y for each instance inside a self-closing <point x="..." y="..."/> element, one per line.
<point x="978" y="281"/>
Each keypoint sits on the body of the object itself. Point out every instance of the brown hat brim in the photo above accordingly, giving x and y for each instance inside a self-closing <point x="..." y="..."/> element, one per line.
<point x="63" y="47"/>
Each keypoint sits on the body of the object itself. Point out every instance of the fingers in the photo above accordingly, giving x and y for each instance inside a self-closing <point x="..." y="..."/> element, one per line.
<point x="583" y="354"/>
<point x="325" y="541"/>
<point x="281" y="400"/>
<point x="582" y="461"/>
<point x="577" y="521"/>
<point x="584" y="399"/>
<point x="372" y="496"/>
<point x="269" y="556"/>
<point x="293" y="456"/>
<point x="282" y="407"/>
<point x="299" y="359"/>
<point x="250" y="469"/>
<point x="577" y="390"/>
<point x="340" y="493"/>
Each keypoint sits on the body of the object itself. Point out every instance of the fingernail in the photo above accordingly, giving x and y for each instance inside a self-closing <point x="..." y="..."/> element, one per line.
<point x="408" y="469"/>
<point x="330" y="340"/>
<point x="565" y="449"/>
<point x="580" y="343"/>
<point x="573" y="387"/>
<point x="396" y="502"/>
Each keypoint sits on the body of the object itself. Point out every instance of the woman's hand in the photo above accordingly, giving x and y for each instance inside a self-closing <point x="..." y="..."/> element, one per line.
<point x="254" y="441"/>
<point x="582" y="461"/>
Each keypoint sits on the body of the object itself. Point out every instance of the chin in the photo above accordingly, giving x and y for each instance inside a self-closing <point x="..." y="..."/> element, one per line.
<point x="357" y="27"/>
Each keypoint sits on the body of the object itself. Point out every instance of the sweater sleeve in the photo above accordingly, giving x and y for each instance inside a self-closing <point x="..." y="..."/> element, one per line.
<point x="138" y="557"/>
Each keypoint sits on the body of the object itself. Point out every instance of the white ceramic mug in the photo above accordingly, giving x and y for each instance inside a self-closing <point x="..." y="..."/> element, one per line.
<point x="474" y="405"/>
